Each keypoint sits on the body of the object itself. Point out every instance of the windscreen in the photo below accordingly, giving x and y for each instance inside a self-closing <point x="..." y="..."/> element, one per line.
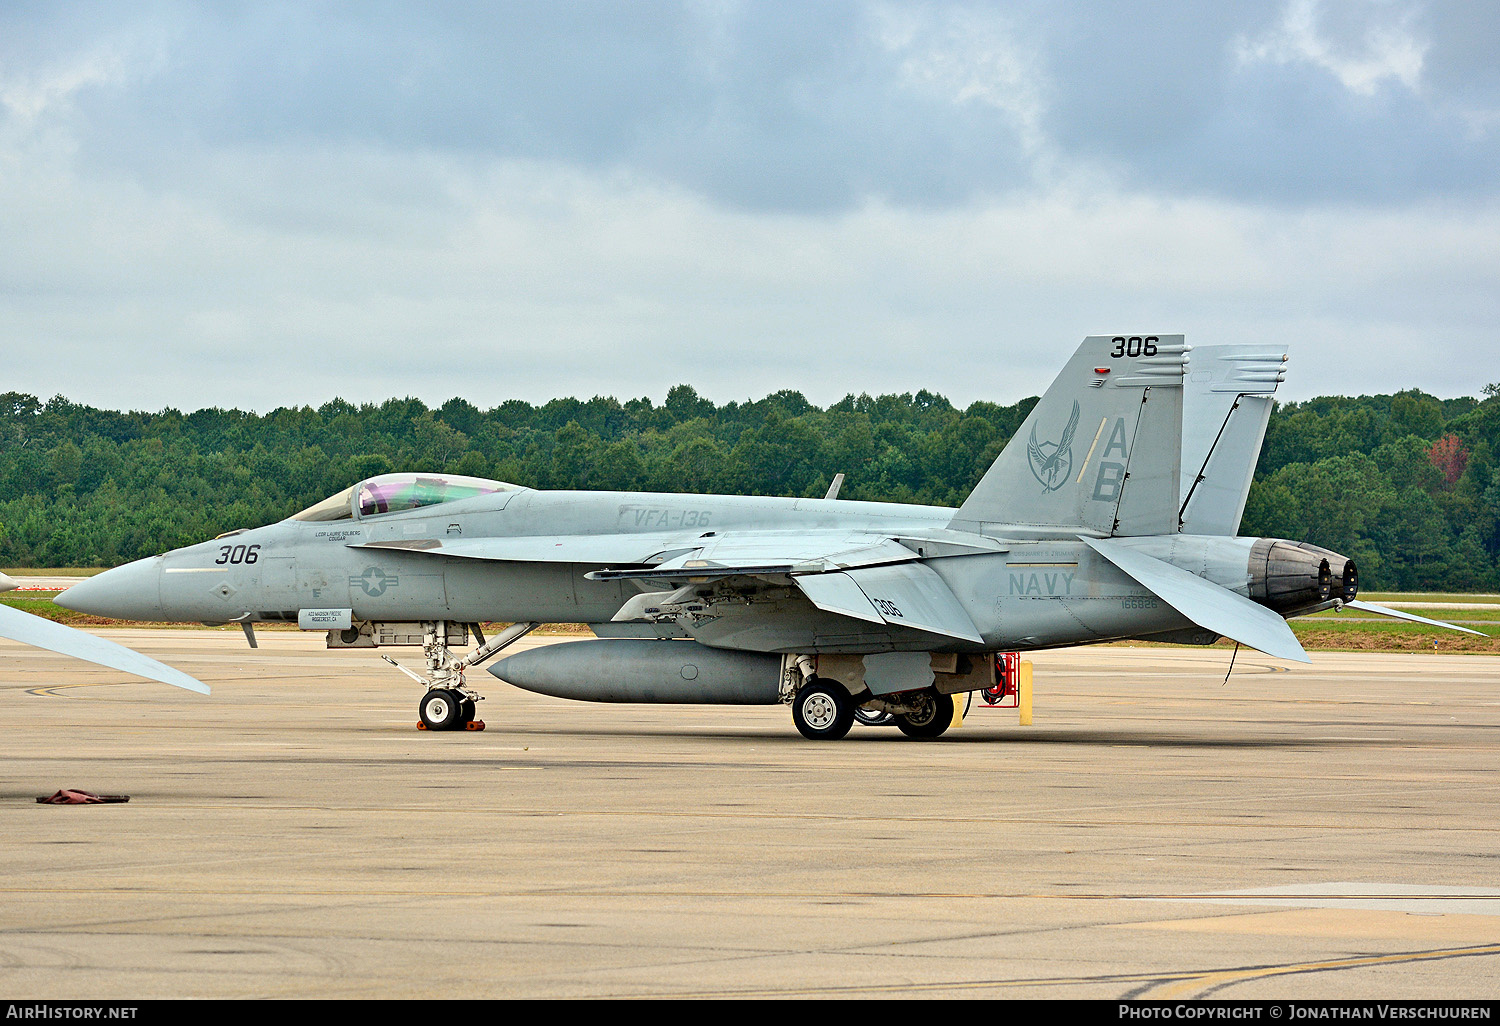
<point x="335" y="507"/>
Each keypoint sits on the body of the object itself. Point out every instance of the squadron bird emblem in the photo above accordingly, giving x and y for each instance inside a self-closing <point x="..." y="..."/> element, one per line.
<point x="1052" y="462"/>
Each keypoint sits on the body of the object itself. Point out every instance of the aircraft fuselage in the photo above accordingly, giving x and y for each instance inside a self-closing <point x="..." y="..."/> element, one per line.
<point x="1040" y="587"/>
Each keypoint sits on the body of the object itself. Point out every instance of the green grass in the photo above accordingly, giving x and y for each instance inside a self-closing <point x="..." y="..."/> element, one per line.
<point x="1395" y="598"/>
<point x="1317" y="633"/>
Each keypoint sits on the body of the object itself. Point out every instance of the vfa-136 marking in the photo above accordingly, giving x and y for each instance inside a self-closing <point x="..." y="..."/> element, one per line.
<point x="827" y="605"/>
<point x="655" y="518"/>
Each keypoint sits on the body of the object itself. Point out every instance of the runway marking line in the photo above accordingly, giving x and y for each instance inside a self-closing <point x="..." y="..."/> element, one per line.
<point x="1165" y="985"/>
<point x="1210" y="982"/>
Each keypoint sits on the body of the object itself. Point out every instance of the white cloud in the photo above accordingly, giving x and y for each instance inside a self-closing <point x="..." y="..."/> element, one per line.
<point x="505" y="279"/>
<point x="964" y="56"/>
<point x="152" y="260"/>
<point x="1386" y="49"/>
<point x="28" y="95"/>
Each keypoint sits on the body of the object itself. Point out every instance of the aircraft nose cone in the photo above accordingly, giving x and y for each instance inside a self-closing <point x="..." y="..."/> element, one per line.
<point x="129" y="592"/>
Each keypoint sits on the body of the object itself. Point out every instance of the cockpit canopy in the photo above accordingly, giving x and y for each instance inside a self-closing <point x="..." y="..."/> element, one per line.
<point x="393" y="493"/>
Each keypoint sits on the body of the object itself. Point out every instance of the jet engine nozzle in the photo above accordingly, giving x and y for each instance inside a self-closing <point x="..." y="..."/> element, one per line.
<point x="1295" y="577"/>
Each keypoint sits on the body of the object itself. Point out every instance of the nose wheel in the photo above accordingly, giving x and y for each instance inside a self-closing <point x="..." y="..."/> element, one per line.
<point x="446" y="709"/>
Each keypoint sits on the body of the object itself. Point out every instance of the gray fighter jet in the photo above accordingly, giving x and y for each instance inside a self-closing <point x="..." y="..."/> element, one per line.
<point x="1087" y="528"/>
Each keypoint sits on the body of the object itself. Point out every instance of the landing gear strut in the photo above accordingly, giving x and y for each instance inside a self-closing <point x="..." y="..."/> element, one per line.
<point x="449" y="704"/>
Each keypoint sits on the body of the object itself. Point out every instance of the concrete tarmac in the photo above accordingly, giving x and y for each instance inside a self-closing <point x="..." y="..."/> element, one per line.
<point x="1324" y="831"/>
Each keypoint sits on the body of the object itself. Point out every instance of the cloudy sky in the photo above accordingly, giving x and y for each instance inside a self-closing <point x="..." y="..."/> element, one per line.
<point x="268" y="204"/>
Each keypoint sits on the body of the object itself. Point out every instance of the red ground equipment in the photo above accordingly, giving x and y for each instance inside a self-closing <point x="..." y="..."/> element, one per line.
<point x="1007" y="673"/>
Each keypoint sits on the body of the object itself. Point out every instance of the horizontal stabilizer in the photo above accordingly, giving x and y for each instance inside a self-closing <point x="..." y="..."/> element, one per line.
<point x="55" y="637"/>
<point x="1370" y="607"/>
<point x="1205" y="603"/>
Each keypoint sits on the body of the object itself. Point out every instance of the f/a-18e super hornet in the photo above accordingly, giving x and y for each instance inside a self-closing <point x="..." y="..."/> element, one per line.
<point x="1092" y="525"/>
<point x="56" y="637"/>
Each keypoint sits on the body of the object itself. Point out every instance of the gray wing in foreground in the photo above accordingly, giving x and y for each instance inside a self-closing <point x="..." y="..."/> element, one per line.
<point x="55" y="637"/>
<point x="1370" y="607"/>
<point x="1205" y="603"/>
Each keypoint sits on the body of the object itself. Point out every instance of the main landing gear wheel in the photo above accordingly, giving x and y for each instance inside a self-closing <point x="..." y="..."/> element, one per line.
<point x="442" y="709"/>
<point x="823" y="711"/>
<point x="874" y="717"/>
<point x="934" y="715"/>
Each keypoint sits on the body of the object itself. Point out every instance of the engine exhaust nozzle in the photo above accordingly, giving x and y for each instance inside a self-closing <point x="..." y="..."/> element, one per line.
<point x="1296" y="577"/>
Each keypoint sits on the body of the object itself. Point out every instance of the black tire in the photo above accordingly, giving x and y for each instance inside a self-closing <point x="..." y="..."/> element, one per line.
<point x="441" y="709"/>
<point x="874" y="717"/>
<point x="468" y="710"/>
<point x="934" y="717"/>
<point x="823" y="711"/>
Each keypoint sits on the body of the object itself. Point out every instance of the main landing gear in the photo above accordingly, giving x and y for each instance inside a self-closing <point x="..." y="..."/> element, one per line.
<point x="823" y="710"/>
<point x="931" y="714"/>
<point x="449" y="703"/>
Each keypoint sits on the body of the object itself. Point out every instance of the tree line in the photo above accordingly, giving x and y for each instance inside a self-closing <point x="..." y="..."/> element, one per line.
<point x="1405" y="484"/>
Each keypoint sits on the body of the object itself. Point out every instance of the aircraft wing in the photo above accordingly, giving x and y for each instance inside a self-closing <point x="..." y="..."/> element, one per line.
<point x="899" y="594"/>
<point x="769" y="553"/>
<point x="670" y="555"/>
<point x="625" y="549"/>
<point x="870" y="578"/>
<point x="1204" y="603"/>
<point x="56" y="637"/>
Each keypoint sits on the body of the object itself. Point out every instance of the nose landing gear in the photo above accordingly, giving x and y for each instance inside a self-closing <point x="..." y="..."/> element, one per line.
<point x="448" y="709"/>
<point x="449" y="704"/>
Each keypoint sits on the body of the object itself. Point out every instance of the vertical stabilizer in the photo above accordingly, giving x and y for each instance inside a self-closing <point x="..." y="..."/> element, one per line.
<point x="1101" y="451"/>
<point x="1227" y="401"/>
